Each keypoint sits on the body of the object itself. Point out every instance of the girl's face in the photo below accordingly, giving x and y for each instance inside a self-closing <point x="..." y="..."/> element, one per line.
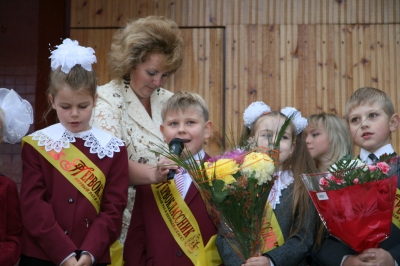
<point x="267" y="129"/>
<point x="74" y="108"/>
<point x="317" y="140"/>
<point x="148" y="76"/>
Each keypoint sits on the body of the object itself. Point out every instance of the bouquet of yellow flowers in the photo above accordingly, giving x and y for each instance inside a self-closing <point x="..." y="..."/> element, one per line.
<point x="235" y="187"/>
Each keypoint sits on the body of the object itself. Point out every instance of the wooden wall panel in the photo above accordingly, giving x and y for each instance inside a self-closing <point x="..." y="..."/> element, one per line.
<point x="195" y="13"/>
<point x="201" y="72"/>
<point x="318" y="67"/>
<point x="308" y="53"/>
<point x="100" y="41"/>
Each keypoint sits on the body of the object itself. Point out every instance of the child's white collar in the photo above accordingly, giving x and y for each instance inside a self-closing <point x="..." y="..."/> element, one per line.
<point x="285" y="178"/>
<point x="57" y="137"/>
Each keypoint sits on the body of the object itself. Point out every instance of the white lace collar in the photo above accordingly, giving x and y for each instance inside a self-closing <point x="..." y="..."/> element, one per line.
<point x="285" y="178"/>
<point x="57" y="137"/>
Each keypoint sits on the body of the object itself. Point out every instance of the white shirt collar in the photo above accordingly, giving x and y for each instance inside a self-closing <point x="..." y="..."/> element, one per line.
<point x="57" y="137"/>
<point x="385" y="149"/>
<point x="188" y="180"/>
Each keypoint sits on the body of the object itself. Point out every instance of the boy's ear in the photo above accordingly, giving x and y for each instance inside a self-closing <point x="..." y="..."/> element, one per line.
<point x="162" y="129"/>
<point x="394" y="122"/>
<point x="208" y="129"/>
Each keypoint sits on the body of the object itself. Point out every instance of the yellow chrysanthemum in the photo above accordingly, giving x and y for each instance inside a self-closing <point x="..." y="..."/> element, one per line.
<point x="223" y="169"/>
<point x="261" y="163"/>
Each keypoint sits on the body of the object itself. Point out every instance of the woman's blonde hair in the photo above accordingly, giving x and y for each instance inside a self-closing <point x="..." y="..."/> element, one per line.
<point x="132" y="45"/>
<point x="338" y="134"/>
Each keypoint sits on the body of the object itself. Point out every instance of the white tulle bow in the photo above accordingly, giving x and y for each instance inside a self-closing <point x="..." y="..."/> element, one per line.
<point x="18" y="115"/>
<point x="70" y="53"/>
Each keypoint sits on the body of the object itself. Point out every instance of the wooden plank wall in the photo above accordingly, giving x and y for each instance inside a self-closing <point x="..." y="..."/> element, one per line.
<point x="311" y="54"/>
<point x="312" y="67"/>
<point x="208" y="13"/>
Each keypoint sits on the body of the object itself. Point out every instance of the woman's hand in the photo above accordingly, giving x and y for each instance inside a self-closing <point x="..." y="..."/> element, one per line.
<point x="163" y="167"/>
<point x="370" y="257"/>
<point x="257" y="261"/>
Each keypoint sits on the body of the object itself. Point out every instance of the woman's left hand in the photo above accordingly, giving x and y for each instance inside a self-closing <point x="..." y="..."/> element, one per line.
<point x="257" y="261"/>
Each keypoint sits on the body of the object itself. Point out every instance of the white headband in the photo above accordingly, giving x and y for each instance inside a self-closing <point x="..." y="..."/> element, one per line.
<point x="256" y="109"/>
<point x="70" y="53"/>
<point x="18" y="115"/>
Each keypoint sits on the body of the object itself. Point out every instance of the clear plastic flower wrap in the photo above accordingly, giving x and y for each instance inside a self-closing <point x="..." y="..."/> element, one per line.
<point x="355" y="201"/>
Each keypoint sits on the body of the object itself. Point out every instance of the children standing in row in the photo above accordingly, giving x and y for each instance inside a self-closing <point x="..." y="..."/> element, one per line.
<point x="75" y="177"/>
<point x="328" y="139"/>
<point x="151" y="239"/>
<point x="372" y="119"/>
<point x="289" y="198"/>
<point x="16" y="115"/>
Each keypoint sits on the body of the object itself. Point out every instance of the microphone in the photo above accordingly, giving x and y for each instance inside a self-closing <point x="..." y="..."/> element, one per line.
<point x="176" y="147"/>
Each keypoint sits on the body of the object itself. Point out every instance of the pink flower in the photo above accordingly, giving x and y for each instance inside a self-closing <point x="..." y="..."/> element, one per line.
<point x="384" y="167"/>
<point x="372" y="167"/>
<point x="323" y="182"/>
<point x="337" y="180"/>
<point x="355" y="181"/>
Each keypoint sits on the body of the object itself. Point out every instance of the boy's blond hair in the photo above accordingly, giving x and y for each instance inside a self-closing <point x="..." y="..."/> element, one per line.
<point x="184" y="100"/>
<point x="369" y="95"/>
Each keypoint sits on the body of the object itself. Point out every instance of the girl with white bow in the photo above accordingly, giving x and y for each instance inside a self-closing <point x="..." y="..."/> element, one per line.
<point x="293" y="235"/>
<point x="16" y="115"/>
<point x="75" y="176"/>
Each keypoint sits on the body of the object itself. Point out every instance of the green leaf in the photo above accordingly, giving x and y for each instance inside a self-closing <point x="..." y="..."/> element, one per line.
<point x="219" y="190"/>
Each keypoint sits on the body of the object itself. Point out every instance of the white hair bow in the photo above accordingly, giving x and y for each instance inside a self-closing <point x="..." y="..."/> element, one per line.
<point x="18" y="115"/>
<point x="70" y="53"/>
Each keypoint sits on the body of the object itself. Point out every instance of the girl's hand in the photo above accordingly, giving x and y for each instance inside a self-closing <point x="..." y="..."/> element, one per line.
<point x="163" y="167"/>
<point x="258" y="261"/>
<point x="70" y="262"/>
<point x="84" y="260"/>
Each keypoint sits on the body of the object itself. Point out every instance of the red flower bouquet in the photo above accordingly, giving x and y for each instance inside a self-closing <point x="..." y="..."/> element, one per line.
<point x="355" y="201"/>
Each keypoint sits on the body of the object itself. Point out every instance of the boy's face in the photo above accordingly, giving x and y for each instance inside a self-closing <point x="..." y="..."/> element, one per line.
<point x="370" y="126"/>
<point x="189" y="126"/>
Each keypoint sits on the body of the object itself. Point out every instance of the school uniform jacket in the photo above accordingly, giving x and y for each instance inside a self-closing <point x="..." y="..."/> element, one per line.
<point x="57" y="218"/>
<point x="150" y="242"/>
<point x="10" y="222"/>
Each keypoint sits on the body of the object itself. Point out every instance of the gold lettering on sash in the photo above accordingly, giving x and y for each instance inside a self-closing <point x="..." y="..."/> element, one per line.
<point x="85" y="177"/>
